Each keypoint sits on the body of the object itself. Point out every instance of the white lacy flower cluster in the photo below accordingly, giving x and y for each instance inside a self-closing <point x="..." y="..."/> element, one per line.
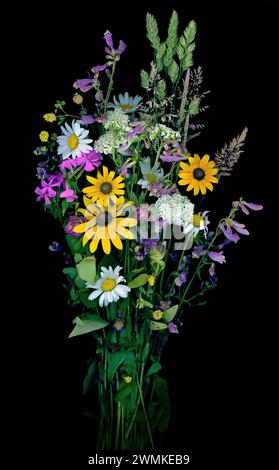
<point x="117" y="120"/>
<point x="177" y="210"/>
<point x="109" y="141"/>
<point x="166" y="133"/>
<point x="117" y="127"/>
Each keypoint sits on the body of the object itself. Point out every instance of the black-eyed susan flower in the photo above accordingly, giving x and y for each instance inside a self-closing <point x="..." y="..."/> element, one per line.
<point x="105" y="223"/>
<point x="198" y="174"/>
<point x="104" y="187"/>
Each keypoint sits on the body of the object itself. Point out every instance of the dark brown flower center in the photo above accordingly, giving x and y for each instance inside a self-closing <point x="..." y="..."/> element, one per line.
<point x="106" y="188"/>
<point x="199" y="174"/>
<point x="103" y="219"/>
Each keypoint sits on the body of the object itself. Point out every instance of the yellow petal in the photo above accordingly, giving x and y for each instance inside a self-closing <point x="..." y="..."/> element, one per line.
<point x="202" y="187"/>
<point x="204" y="161"/>
<point x="80" y="228"/>
<point x="106" y="244"/>
<point x="111" y="175"/>
<point x="94" y="244"/>
<point x="125" y="233"/>
<point x="92" y="180"/>
<point x="208" y="185"/>
<point x="105" y="172"/>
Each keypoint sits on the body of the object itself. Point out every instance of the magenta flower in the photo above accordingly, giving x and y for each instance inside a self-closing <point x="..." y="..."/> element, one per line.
<point x="73" y="221"/>
<point x="89" y="161"/>
<point x="250" y="205"/>
<point x="217" y="256"/>
<point x="45" y="192"/>
<point x="68" y="194"/>
<point x="68" y="164"/>
<point x="84" y="84"/>
<point x="172" y="327"/>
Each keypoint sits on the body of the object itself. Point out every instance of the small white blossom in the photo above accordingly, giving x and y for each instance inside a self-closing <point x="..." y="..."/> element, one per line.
<point x="166" y="133"/>
<point x="109" y="141"/>
<point x="117" y="121"/>
<point x="177" y="210"/>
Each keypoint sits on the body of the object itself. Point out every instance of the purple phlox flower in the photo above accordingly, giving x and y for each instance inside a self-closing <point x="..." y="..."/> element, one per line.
<point x="138" y="127"/>
<point x="181" y="279"/>
<point x="250" y="205"/>
<point x="45" y="192"/>
<point x="88" y="119"/>
<point x="89" y="161"/>
<point x="124" y="150"/>
<point x="99" y="68"/>
<point x="68" y="164"/>
<point x="68" y="194"/>
<point x="123" y="171"/>
<point x="212" y="270"/>
<point x="172" y="327"/>
<point x="198" y="251"/>
<point x="55" y="179"/>
<point x="41" y="171"/>
<point x="110" y="49"/>
<point x="217" y="256"/>
<point x="99" y="96"/>
<point x="55" y="247"/>
<point x="73" y="221"/>
<point x="84" y="84"/>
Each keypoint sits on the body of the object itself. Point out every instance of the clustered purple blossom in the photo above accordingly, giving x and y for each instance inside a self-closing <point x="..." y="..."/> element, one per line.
<point x="88" y="161"/>
<point x="73" y="221"/>
<point x="46" y="190"/>
<point x="173" y="153"/>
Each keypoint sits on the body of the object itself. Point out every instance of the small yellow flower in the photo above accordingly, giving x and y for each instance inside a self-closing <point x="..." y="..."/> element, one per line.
<point x="128" y="379"/>
<point x="151" y="280"/>
<point x="77" y="98"/>
<point x="44" y="135"/>
<point x="49" y="117"/>
<point x="157" y="314"/>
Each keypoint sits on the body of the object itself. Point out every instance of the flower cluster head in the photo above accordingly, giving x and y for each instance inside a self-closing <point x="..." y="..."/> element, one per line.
<point x="165" y="133"/>
<point x="177" y="210"/>
<point x="117" y="121"/>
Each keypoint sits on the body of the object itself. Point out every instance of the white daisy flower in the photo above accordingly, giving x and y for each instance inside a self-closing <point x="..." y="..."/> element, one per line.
<point x="108" y="287"/>
<point x="127" y="103"/>
<point x="150" y="175"/>
<point x="200" y="222"/>
<point x="73" y="141"/>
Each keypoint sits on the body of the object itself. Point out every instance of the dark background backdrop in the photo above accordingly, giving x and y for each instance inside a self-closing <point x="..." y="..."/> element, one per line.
<point x="219" y="367"/>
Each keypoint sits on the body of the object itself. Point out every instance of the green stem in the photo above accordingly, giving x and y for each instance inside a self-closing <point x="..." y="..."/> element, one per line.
<point x="118" y="419"/>
<point x="110" y="86"/>
<point x="184" y="97"/>
<point x="145" y="414"/>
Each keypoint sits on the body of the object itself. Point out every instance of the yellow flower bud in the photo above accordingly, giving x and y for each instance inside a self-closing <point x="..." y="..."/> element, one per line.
<point x="44" y="135"/>
<point x="151" y="280"/>
<point x="157" y="314"/>
<point x="127" y="379"/>
<point x="77" y="98"/>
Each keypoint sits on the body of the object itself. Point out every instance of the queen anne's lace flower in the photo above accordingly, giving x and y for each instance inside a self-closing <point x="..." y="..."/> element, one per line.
<point x="177" y="210"/>
<point x="109" y="141"/>
<point x="166" y="133"/>
<point x="117" y="120"/>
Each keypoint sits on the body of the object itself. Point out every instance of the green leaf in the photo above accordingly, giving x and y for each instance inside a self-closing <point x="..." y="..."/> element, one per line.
<point x="77" y="258"/>
<point x="194" y="106"/>
<point x="75" y="244"/>
<point x="133" y="272"/>
<point x="144" y="79"/>
<point x="123" y="392"/>
<point x="156" y="366"/>
<point x="70" y="272"/>
<point x="159" y="56"/>
<point x="170" y="313"/>
<point x="190" y="32"/>
<point x="173" y="71"/>
<point x="88" y="303"/>
<point x="157" y="325"/>
<point x="161" y="388"/>
<point x="152" y="31"/>
<point x="172" y="40"/>
<point x="87" y="269"/>
<point x="89" y="377"/>
<point x="187" y="44"/>
<point x="87" y="323"/>
<point x="115" y="361"/>
<point x="138" y="281"/>
<point x="80" y="283"/>
<point x="161" y="90"/>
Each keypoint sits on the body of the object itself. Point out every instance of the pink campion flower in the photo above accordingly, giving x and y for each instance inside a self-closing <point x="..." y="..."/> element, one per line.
<point x="89" y="161"/>
<point x="217" y="256"/>
<point x="84" y="84"/>
<point x="68" y="194"/>
<point x="172" y="327"/>
<point x="243" y="205"/>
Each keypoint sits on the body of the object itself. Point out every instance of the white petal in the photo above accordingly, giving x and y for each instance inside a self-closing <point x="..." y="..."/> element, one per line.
<point x="94" y="294"/>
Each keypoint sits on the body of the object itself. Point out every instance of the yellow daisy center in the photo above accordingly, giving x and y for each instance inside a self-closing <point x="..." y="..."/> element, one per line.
<point x="106" y="188"/>
<point x="125" y="107"/>
<point x="151" y="178"/>
<point x="73" y="141"/>
<point x="108" y="285"/>
<point x="199" y="174"/>
<point x="197" y="220"/>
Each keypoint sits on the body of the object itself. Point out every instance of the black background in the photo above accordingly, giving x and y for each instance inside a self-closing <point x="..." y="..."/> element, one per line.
<point x="219" y="367"/>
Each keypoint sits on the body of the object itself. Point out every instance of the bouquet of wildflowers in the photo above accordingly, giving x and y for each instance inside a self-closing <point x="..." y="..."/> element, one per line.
<point x="121" y="175"/>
